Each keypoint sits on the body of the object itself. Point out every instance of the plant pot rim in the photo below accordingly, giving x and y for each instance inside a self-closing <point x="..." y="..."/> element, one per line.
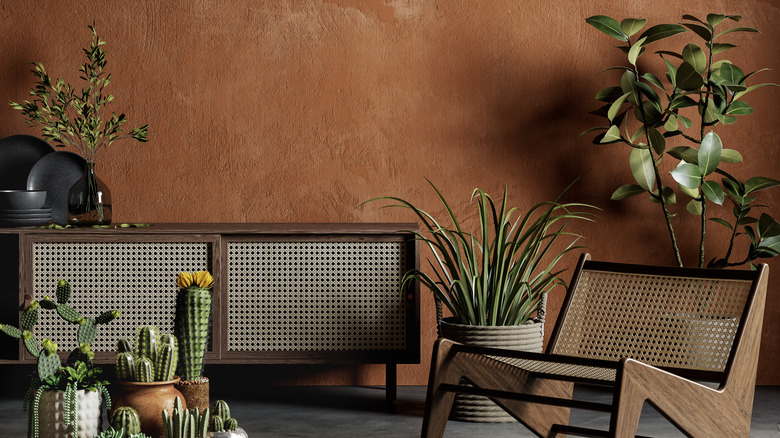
<point x="450" y="320"/>
<point x="175" y="379"/>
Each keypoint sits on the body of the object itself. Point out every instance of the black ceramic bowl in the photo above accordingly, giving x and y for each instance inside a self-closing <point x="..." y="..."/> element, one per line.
<point x="17" y="199"/>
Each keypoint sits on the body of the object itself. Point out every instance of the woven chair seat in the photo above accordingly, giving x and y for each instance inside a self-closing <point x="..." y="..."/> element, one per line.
<point x="564" y="370"/>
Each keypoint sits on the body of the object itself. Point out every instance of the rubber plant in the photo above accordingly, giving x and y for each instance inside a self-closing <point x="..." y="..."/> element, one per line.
<point x="675" y="117"/>
<point x="78" y="373"/>
<point x="497" y="275"/>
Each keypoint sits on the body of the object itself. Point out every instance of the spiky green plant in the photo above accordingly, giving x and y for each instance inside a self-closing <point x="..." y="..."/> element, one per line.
<point x="192" y="321"/>
<point x="119" y="433"/>
<point x="497" y="276"/>
<point x="126" y="418"/>
<point x="167" y="358"/>
<point x="153" y="358"/>
<point x="185" y="423"/>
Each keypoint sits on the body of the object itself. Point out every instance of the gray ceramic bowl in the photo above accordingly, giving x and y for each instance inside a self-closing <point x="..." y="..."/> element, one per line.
<point x="16" y="199"/>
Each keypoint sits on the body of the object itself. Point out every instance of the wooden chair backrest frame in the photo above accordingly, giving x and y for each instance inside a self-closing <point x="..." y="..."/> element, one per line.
<point x="684" y="320"/>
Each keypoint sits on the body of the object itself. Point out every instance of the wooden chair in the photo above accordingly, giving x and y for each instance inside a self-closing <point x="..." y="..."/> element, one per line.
<point x="648" y="333"/>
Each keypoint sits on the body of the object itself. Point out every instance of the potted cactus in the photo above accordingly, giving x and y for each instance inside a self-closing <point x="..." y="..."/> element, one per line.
<point x="221" y="424"/>
<point x="185" y="423"/>
<point x="192" y="325"/>
<point x="63" y="401"/>
<point x="145" y="377"/>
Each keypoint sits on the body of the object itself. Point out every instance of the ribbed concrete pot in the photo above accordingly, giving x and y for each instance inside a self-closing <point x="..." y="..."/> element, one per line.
<point x="526" y="337"/>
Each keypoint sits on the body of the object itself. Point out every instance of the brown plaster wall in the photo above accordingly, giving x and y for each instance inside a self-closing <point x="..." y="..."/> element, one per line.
<point x="297" y="111"/>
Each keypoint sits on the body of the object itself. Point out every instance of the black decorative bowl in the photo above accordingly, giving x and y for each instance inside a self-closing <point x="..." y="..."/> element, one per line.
<point x="22" y="199"/>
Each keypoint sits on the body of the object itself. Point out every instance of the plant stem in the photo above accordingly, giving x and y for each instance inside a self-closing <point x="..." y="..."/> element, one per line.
<point x="703" y="229"/>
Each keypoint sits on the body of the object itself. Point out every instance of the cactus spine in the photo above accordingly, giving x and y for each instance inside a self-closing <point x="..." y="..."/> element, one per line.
<point x="193" y="317"/>
<point x="167" y="358"/>
<point x="126" y="418"/>
<point x="144" y="370"/>
<point x="125" y="366"/>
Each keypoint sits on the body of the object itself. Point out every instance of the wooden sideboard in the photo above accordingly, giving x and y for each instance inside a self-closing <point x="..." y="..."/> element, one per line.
<point x="283" y="293"/>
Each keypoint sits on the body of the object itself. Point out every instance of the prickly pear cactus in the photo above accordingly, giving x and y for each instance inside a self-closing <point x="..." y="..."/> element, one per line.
<point x="193" y="317"/>
<point x="144" y="370"/>
<point x="48" y="360"/>
<point x="63" y="291"/>
<point x="87" y="331"/>
<point x="125" y="366"/>
<point x="68" y="313"/>
<point x="126" y="418"/>
<point x="83" y="353"/>
<point x="30" y="316"/>
<point x="107" y="316"/>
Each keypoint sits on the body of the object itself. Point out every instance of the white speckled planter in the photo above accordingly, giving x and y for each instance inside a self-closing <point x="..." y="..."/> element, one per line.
<point x="526" y="337"/>
<point x="51" y="414"/>
<point x="238" y="433"/>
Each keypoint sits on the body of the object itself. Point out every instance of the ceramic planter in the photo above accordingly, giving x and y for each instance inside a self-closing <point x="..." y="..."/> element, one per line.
<point x="148" y="399"/>
<point x="51" y="415"/>
<point x="195" y="392"/>
<point x="526" y="337"/>
<point x="238" y="433"/>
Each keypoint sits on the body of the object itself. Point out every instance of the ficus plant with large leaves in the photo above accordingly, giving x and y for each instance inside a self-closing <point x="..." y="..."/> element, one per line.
<point x="675" y="117"/>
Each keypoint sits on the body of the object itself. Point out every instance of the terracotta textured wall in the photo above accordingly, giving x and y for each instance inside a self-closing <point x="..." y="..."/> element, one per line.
<point x="297" y="111"/>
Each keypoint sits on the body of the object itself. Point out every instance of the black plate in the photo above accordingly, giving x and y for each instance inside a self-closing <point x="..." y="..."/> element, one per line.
<point x="56" y="173"/>
<point x="23" y="222"/>
<point x="18" y="154"/>
<point x="25" y="210"/>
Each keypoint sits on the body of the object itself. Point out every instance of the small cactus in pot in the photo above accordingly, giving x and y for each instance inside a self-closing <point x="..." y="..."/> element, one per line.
<point x="222" y="425"/>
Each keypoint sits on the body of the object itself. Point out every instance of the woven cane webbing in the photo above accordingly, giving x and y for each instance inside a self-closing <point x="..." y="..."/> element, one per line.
<point x="561" y="369"/>
<point x="138" y="279"/>
<point x="676" y="322"/>
<point x="316" y="296"/>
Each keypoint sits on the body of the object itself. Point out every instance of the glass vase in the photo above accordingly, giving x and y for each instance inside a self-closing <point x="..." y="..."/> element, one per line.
<point x="89" y="200"/>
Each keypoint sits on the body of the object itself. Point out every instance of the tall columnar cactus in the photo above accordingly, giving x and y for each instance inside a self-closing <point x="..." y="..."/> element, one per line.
<point x="147" y="342"/>
<point x="126" y="418"/>
<point x="125" y="366"/>
<point x="193" y="317"/>
<point x="144" y="370"/>
<point x="185" y="423"/>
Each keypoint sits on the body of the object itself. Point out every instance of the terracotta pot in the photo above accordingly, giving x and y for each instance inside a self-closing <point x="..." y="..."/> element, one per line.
<point x="149" y="399"/>
<point x="51" y="412"/>
<point x="526" y="337"/>
<point x="196" y="392"/>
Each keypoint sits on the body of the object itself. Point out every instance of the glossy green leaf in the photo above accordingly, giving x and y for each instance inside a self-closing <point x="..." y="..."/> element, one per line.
<point x="670" y="198"/>
<point x="682" y="102"/>
<point x="685" y="153"/>
<point x="653" y="79"/>
<point x="713" y="192"/>
<point x="730" y="156"/>
<point x="688" y="78"/>
<point x="671" y="72"/>
<point x="612" y="134"/>
<point x="692" y="18"/>
<point x="722" y="222"/>
<point x="694" y="55"/>
<point x="730" y="74"/>
<point x="759" y="183"/>
<point x="630" y="26"/>
<point x="685" y="121"/>
<point x="687" y="174"/>
<point x="615" y="107"/>
<point x="693" y="193"/>
<point x="721" y="47"/>
<point x="635" y="51"/>
<point x="751" y="88"/>
<point x="661" y="31"/>
<point x="699" y="30"/>
<point x="737" y="29"/>
<point x="767" y="226"/>
<point x="627" y="191"/>
<point x="715" y="19"/>
<point x="638" y="133"/>
<point x="769" y="246"/>
<point x="709" y="153"/>
<point x="641" y="163"/>
<point x="589" y="130"/>
<point x="694" y="207"/>
<point x="671" y="124"/>
<point x="628" y="85"/>
<point x="652" y="96"/>
<point x="607" y="25"/>
<point x="739" y="108"/>
<point x="717" y="64"/>
<point x="609" y="94"/>
<point x="657" y="141"/>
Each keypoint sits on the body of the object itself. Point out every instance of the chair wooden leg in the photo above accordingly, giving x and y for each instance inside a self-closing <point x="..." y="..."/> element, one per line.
<point x="448" y="367"/>
<point x="438" y="403"/>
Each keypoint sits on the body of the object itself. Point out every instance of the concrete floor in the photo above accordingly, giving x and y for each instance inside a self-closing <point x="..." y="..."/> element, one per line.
<point x="346" y="412"/>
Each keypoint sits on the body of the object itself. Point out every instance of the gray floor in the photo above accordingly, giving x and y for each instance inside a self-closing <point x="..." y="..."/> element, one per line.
<point x="360" y="412"/>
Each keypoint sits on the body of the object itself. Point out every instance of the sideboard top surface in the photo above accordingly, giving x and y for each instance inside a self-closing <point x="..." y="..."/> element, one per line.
<point x="231" y="228"/>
